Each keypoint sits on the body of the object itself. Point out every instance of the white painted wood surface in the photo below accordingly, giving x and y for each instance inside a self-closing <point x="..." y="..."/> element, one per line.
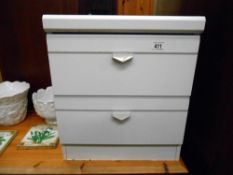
<point x="120" y="103"/>
<point x="122" y="43"/>
<point x="111" y="109"/>
<point x="146" y="74"/>
<point x="106" y="152"/>
<point x="126" y="24"/>
<point x="142" y="128"/>
<point x="178" y="151"/>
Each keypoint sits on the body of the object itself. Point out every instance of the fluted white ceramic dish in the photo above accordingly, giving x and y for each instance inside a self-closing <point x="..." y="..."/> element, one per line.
<point x="13" y="102"/>
<point x="43" y="102"/>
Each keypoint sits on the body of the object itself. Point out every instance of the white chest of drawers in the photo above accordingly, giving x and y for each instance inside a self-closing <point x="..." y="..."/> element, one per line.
<point x="122" y="83"/>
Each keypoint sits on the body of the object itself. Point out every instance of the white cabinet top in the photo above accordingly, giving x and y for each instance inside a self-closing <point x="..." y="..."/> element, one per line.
<point x="123" y="24"/>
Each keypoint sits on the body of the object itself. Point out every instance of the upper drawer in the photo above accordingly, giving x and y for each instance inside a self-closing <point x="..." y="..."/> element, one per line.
<point x="144" y="75"/>
<point x="123" y="43"/>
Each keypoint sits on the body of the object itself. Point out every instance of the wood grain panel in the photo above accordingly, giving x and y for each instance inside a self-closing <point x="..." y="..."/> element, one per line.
<point x="208" y="141"/>
<point x="0" y="76"/>
<point x="167" y="7"/>
<point x="23" y="45"/>
<point x="107" y="7"/>
<point x="135" y="7"/>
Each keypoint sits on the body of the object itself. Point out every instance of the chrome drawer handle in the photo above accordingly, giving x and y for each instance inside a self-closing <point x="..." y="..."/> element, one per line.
<point x="121" y="58"/>
<point x="121" y="116"/>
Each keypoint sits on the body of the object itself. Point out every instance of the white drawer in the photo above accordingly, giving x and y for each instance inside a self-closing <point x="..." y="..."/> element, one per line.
<point x="123" y="43"/>
<point x="144" y="75"/>
<point x="120" y="103"/>
<point x="103" y="127"/>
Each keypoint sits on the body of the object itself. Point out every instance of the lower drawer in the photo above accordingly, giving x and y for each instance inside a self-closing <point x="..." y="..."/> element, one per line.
<point x="121" y="127"/>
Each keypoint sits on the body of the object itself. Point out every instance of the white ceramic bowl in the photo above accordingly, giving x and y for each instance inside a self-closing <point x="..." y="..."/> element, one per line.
<point x="43" y="102"/>
<point x="13" y="102"/>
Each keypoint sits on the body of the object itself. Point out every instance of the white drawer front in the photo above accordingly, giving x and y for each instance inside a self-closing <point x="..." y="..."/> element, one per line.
<point x="145" y="74"/>
<point x="123" y="43"/>
<point x="102" y="127"/>
<point x="120" y="103"/>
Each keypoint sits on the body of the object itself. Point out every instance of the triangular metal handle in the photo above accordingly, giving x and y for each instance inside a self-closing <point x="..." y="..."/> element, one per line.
<point x="121" y="116"/>
<point x="121" y="58"/>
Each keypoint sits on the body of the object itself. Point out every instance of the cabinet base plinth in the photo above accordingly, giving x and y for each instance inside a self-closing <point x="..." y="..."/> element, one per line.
<point x="116" y="152"/>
